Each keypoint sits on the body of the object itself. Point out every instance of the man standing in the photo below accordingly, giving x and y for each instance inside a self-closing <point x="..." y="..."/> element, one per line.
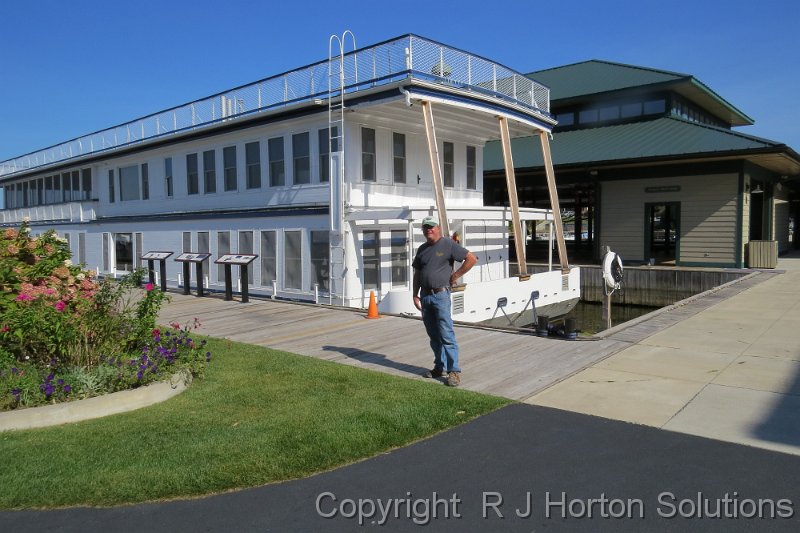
<point x="433" y="277"/>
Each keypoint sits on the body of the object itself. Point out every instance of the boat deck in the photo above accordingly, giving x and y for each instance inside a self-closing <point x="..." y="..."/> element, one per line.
<point x="508" y="364"/>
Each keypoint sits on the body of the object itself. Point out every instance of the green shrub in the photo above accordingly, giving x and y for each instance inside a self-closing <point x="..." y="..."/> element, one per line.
<point x="65" y="335"/>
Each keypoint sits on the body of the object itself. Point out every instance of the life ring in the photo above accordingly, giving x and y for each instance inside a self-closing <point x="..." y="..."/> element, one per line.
<point x="612" y="270"/>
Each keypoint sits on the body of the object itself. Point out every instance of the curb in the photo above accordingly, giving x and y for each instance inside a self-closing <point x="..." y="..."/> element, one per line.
<point x="96" y="407"/>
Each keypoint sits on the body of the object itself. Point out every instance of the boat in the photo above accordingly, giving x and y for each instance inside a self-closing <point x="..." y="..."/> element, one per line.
<point x="321" y="175"/>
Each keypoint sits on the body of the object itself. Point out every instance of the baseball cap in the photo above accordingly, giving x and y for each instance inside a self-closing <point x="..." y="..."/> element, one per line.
<point x="430" y="221"/>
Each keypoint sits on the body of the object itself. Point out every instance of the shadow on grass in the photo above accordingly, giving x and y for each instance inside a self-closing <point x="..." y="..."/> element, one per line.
<point x="376" y="359"/>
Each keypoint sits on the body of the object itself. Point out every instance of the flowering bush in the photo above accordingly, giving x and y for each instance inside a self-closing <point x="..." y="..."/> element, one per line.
<point x="64" y="335"/>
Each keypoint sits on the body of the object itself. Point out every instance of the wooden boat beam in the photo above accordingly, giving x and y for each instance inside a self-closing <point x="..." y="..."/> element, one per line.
<point x="513" y="200"/>
<point x="433" y="152"/>
<point x="554" y="205"/>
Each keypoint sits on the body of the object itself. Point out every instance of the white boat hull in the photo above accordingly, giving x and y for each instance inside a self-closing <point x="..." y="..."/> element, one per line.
<point x="501" y="302"/>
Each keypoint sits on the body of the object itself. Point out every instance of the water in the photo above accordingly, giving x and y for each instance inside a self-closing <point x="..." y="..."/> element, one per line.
<point x="589" y="316"/>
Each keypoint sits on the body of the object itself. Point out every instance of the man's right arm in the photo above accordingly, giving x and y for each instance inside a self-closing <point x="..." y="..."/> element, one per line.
<point x="415" y="290"/>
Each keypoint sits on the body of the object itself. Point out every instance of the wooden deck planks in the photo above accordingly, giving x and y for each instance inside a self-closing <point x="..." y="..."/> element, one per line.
<point x="507" y="364"/>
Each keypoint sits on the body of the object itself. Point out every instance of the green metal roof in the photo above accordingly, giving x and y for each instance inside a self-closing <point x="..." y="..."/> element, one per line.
<point x="581" y="82"/>
<point x="666" y="137"/>
<point x="592" y="77"/>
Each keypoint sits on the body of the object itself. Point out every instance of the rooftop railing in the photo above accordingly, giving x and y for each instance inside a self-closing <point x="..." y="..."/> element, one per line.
<point x="404" y="57"/>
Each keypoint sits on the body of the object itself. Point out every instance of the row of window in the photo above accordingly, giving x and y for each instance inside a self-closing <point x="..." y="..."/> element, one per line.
<point x="616" y="111"/>
<point x="132" y="182"/>
<point x="128" y="248"/>
<point x="71" y="186"/>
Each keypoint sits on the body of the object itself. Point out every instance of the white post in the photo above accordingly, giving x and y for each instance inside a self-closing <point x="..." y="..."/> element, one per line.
<point x="274" y="288"/>
<point x="180" y="280"/>
<point x="158" y="278"/>
<point x="316" y="293"/>
<point x="205" y="283"/>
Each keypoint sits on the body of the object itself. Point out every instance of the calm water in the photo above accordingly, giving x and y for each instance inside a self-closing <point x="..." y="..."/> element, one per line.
<point x="589" y="316"/>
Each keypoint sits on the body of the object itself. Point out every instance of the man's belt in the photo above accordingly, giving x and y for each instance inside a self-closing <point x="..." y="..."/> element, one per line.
<point x="436" y="290"/>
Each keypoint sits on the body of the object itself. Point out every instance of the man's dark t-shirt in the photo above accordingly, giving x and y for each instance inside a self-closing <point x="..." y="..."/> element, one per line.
<point x="435" y="262"/>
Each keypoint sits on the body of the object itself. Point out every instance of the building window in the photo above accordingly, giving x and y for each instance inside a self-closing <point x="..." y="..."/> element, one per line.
<point x="631" y="110"/>
<point x="252" y="157"/>
<point x="246" y="247"/>
<point x="588" y="116"/>
<point x="168" y="176"/>
<point x="325" y="145"/>
<point x="137" y="250"/>
<point x="56" y="188"/>
<point x="448" y="165"/>
<point x="106" y="251"/>
<point x="110" y="185"/>
<point x="472" y="176"/>
<point x="192" y="179"/>
<point x="653" y="107"/>
<point x="82" y="248"/>
<point x="293" y="260"/>
<point x="399" y="155"/>
<point x="399" y="258"/>
<point x="371" y="253"/>
<point x="48" y="190"/>
<point x="269" y="258"/>
<point x="123" y="251"/>
<point x="210" y="171"/>
<point x="129" y="183"/>
<point x="229" y="168"/>
<point x="301" y="154"/>
<point x="186" y="237"/>
<point x="145" y="182"/>
<point x="223" y="247"/>
<point x="204" y="247"/>
<point x="368" y="171"/>
<point x="86" y="176"/>
<point x="320" y="265"/>
<point x="277" y="170"/>
<point x="566" y="119"/>
<point x="66" y="179"/>
<point x="608" y="113"/>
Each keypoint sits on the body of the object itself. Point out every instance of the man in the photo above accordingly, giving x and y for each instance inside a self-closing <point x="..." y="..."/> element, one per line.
<point x="433" y="277"/>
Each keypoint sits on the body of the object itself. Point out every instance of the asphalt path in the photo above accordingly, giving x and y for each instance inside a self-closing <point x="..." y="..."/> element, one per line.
<point x="520" y="468"/>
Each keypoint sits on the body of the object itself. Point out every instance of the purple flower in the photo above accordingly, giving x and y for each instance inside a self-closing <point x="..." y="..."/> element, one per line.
<point x="16" y="393"/>
<point x="67" y="389"/>
<point x="49" y="378"/>
<point x="60" y="381"/>
<point x="14" y="371"/>
<point x="208" y="357"/>
<point x="139" y="374"/>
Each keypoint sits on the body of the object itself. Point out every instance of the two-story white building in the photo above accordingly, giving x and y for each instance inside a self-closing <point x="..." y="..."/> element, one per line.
<point x="323" y="172"/>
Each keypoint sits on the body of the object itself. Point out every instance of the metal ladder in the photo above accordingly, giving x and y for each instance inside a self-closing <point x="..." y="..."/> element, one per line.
<point x="338" y="80"/>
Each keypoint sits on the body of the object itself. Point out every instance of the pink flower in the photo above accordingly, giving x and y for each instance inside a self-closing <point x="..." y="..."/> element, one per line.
<point x="148" y="287"/>
<point x="60" y="305"/>
<point x="24" y="297"/>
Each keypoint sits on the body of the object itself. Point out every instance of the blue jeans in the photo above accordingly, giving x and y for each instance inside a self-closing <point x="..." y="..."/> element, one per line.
<point x="439" y="325"/>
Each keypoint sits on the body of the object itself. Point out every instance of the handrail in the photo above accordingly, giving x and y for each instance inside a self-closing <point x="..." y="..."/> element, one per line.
<point x="407" y="56"/>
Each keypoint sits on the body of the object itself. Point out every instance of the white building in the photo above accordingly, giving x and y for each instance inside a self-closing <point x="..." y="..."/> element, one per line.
<point x="324" y="172"/>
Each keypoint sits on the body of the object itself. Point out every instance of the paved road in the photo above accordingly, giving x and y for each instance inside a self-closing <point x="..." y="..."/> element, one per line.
<point x="520" y="452"/>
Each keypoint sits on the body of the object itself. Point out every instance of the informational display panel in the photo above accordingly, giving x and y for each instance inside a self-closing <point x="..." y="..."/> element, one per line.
<point x="156" y="255"/>
<point x="236" y="259"/>
<point x="192" y="257"/>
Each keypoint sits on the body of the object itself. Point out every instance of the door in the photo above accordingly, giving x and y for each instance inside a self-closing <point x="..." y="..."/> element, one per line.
<point x="662" y="232"/>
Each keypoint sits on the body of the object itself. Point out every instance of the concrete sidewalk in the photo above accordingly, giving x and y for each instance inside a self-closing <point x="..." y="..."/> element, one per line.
<point x="730" y="372"/>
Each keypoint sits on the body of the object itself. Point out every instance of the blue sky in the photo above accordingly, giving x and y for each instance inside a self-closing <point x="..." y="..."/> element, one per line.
<point x="71" y="68"/>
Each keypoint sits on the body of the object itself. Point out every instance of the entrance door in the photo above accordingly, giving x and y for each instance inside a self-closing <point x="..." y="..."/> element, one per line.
<point x="662" y="232"/>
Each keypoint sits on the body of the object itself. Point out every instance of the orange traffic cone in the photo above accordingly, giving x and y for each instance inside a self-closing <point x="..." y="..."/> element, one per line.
<point x="372" y="312"/>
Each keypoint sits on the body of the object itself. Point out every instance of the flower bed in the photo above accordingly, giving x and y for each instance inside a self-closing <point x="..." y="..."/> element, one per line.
<point x="65" y="335"/>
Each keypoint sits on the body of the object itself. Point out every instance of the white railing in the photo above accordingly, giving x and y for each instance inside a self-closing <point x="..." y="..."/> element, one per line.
<point x="405" y="57"/>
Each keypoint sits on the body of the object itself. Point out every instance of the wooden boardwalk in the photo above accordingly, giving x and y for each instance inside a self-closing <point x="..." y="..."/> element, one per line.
<point x="509" y="364"/>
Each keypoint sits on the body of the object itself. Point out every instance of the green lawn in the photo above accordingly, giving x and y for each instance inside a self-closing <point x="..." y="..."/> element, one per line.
<point x="259" y="416"/>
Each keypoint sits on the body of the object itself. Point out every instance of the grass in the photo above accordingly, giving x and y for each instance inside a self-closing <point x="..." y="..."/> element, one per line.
<point x="259" y="416"/>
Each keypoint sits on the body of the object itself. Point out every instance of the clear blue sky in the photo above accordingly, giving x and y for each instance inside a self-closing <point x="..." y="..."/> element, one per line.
<point x="71" y="68"/>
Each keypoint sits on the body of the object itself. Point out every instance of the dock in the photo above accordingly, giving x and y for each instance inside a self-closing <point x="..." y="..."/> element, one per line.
<point x="723" y="364"/>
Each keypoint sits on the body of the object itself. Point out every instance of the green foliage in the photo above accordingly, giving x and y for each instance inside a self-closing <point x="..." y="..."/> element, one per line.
<point x="60" y="329"/>
<point x="260" y="416"/>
